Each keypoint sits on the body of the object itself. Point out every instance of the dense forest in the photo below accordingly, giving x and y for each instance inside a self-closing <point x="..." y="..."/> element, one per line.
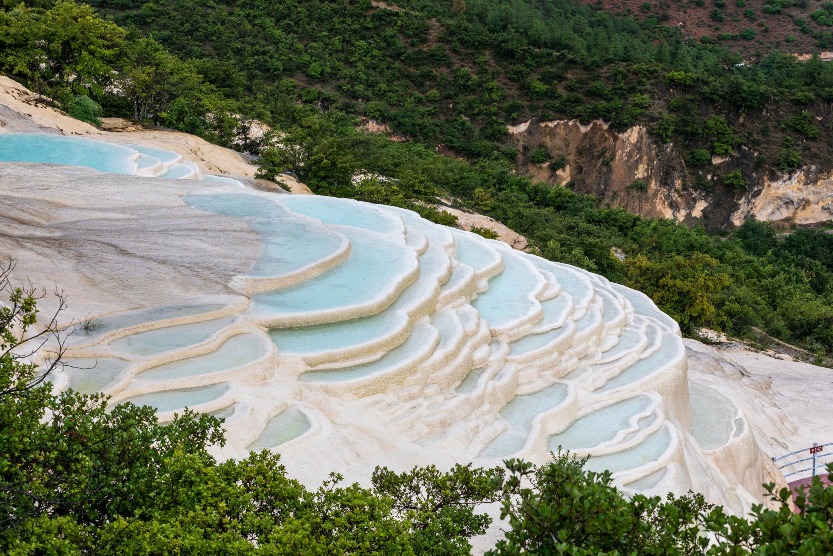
<point x="455" y="73"/>
<point x="752" y="27"/>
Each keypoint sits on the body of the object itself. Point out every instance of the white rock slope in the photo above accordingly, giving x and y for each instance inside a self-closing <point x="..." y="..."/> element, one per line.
<point x="346" y="335"/>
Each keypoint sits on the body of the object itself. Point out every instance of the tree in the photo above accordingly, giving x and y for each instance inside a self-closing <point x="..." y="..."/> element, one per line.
<point x="67" y="48"/>
<point x="684" y="287"/>
<point x="558" y="508"/>
<point x="151" y="79"/>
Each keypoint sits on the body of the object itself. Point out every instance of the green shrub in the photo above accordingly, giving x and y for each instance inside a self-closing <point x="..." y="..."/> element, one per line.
<point x="803" y="97"/>
<point x="488" y="233"/>
<point x="664" y="128"/>
<point x="84" y="108"/>
<point x="559" y="163"/>
<point x="638" y="185"/>
<point x="699" y="157"/>
<point x="789" y="158"/>
<point x="823" y="16"/>
<point x="776" y="6"/>
<point x="540" y="155"/>
<point x="803" y="124"/>
<point x="680" y="78"/>
<point x="735" y="180"/>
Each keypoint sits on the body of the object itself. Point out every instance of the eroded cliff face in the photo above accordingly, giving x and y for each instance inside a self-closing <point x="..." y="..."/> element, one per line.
<point x="631" y="170"/>
<point x="803" y="197"/>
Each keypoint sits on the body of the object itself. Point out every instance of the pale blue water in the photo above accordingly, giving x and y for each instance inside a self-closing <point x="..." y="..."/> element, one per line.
<point x="109" y="323"/>
<point x="145" y="162"/>
<point x="519" y="413"/>
<point x="306" y="340"/>
<point x="556" y="311"/>
<point x="712" y="416"/>
<point x="416" y="348"/>
<point x="628" y="340"/>
<point x="610" y="306"/>
<point x="98" y="155"/>
<point x="532" y="342"/>
<point x="647" y="451"/>
<point x="164" y="157"/>
<point x="449" y="327"/>
<point x="373" y="266"/>
<point x="72" y="151"/>
<point x="589" y="319"/>
<point x="288" y="243"/>
<point x="508" y="298"/>
<point x="343" y="211"/>
<point x="600" y="426"/>
<point x="169" y="338"/>
<point x="286" y="425"/>
<point x="171" y="400"/>
<point x="220" y="180"/>
<point x="668" y="349"/>
<point x="180" y="171"/>
<point x="572" y="282"/>
<point x="89" y="376"/>
<point x="235" y="352"/>
<point x="439" y="235"/>
<point x="649" y="481"/>
<point x="476" y="254"/>
<point x="643" y="305"/>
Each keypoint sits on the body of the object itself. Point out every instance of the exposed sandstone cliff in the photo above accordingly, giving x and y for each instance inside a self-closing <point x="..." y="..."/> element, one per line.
<point x="632" y="170"/>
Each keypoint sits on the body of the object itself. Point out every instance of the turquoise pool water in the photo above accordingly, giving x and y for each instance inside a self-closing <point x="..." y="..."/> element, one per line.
<point x="289" y="243"/>
<point x="69" y="151"/>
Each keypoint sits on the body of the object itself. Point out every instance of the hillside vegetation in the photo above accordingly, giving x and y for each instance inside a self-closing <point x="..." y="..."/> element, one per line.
<point x="753" y="27"/>
<point x="455" y="73"/>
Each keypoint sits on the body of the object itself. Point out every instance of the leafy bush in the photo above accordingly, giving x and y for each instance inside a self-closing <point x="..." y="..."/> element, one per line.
<point x="803" y="124"/>
<point x="488" y="233"/>
<point x="85" y="109"/>
<point x="735" y="180"/>
<point x="789" y="159"/>
<point x="699" y="157"/>
<point x="776" y="6"/>
<point x="540" y="155"/>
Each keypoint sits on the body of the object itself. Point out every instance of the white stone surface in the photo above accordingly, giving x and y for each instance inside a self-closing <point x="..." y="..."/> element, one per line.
<point x="421" y="345"/>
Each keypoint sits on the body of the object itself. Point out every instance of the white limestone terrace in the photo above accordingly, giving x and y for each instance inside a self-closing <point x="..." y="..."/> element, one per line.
<point x="346" y="335"/>
<point x="138" y="160"/>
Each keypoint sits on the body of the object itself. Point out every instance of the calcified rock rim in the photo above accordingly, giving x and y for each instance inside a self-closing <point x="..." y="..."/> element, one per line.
<point x="484" y="353"/>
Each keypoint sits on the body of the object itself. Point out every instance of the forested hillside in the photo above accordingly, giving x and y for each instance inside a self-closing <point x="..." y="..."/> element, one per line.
<point x="753" y="27"/>
<point x="455" y="74"/>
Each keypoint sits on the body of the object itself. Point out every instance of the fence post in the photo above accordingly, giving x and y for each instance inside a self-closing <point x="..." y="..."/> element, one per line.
<point x="815" y="458"/>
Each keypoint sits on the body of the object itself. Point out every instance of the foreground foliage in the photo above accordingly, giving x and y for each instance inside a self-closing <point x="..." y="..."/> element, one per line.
<point x="77" y="477"/>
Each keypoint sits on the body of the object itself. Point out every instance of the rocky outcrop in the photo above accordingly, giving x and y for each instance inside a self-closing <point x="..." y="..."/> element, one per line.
<point x="632" y="170"/>
<point x="627" y="169"/>
<point x="803" y="197"/>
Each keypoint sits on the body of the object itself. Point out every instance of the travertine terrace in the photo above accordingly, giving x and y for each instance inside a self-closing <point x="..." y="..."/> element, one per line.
<point x="346" y="335"/>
